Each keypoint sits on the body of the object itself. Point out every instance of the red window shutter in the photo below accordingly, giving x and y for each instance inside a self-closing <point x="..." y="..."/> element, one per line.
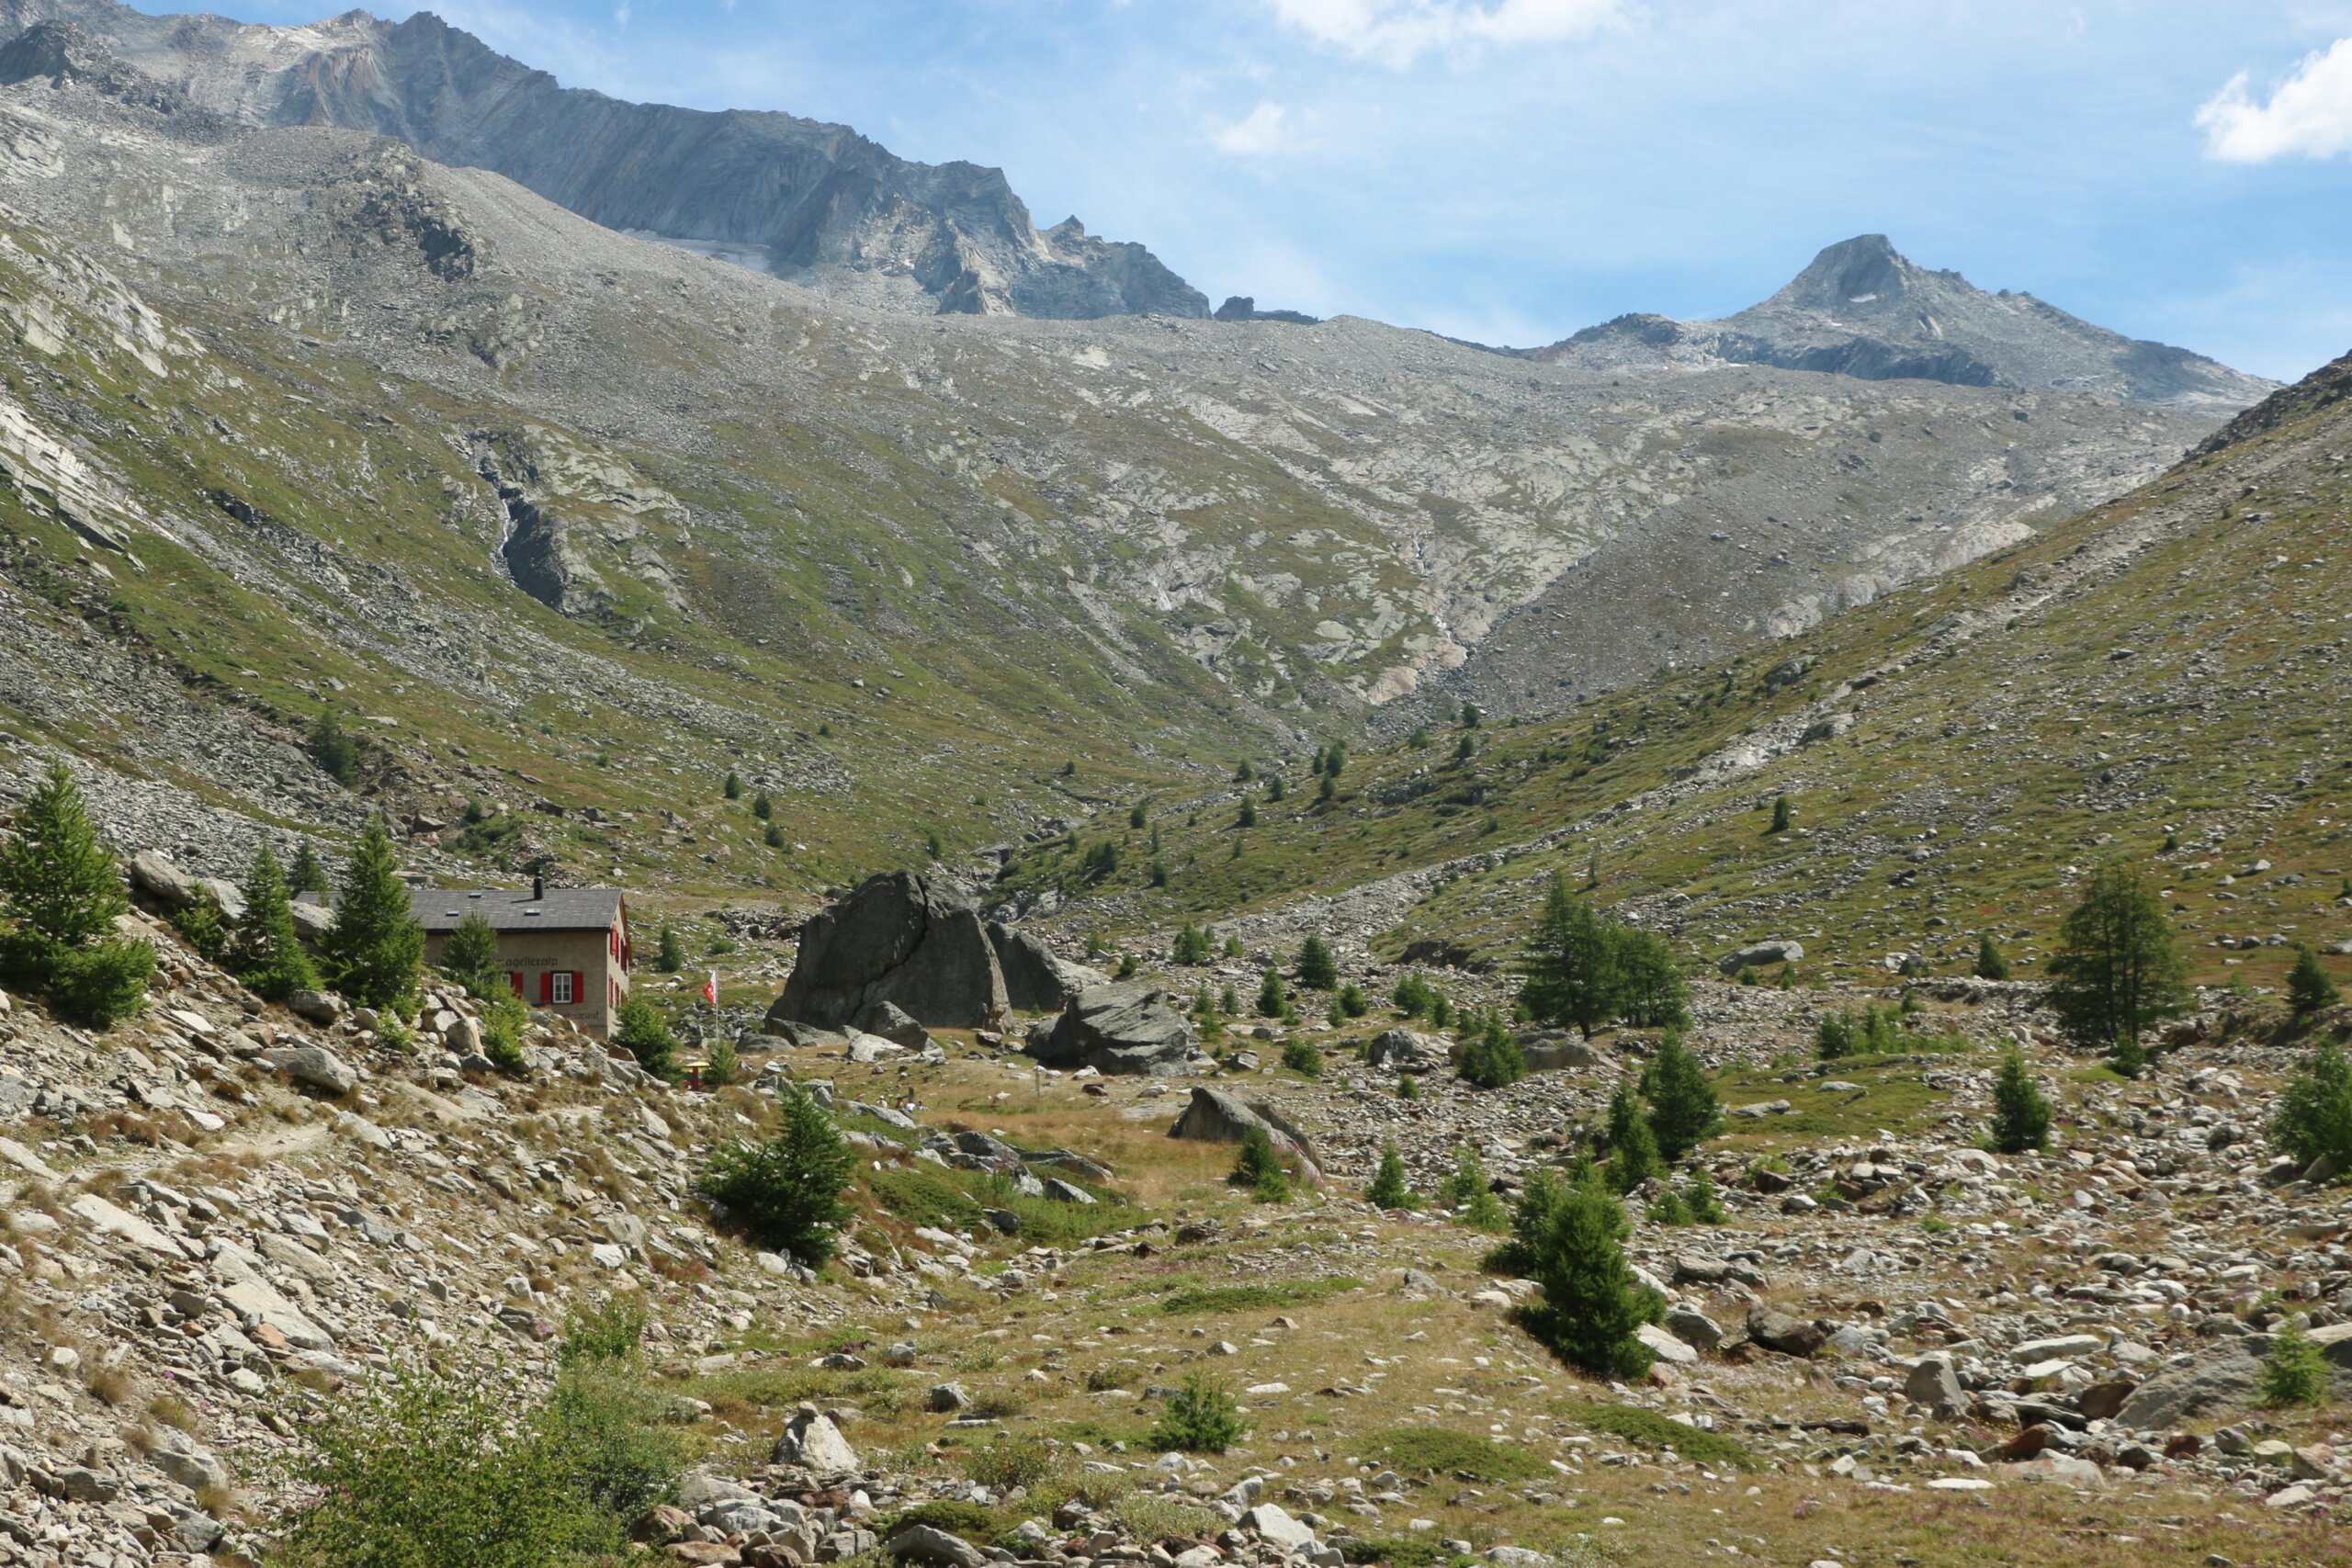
<point x="579" y="988"/>
<point x="546" y="988"/>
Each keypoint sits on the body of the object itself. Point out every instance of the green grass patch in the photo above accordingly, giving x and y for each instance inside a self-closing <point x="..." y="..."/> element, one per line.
<point x="1399" y="1551"/>
<point x="969" y="1520"/>
<point x="1891" y="1093"/>
<point x="1436" y="1450"/>
<point x="926" y="1194"/>
<point x="1652" y="1431"/>
<point x="1255" y="1298"/>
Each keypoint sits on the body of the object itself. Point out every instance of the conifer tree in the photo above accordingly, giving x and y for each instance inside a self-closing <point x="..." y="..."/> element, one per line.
<point x="1272" y="999"/>
<point x="2020" y="1113"/>
<point x="1570" y="963"/>
<point x="1259" y="1168"/>
<point x="1491" y="1058"/>
<point x="1317" y="970"/>
<point x="787" y="1190"/>
<point x="2118" y="969"/>
<point x="734" y="788"/>
<point x="271" y="959"/>
<point x="2314" y="1116"/>
<point x="471" y="958"/>
<point x="1990" y="964"/>
<point x="375" y="948"/>
<point x="1684" y="1109"/>
<point x="309" y="873"/>
<point x="1633" y="1147"/>
<point x="1782" y="820"/>
<point x="1591" y="1307"/>
<point x="1388" y="1190"/>
<point x="59" y="894"/>
<point x="670" y="956"/>
<point x="2309" y="988"/>
<point x="334" y="750"/>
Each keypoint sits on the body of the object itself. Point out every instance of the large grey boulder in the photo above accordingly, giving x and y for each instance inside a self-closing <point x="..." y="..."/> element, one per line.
<point x="2224" y="1376"/>
<point x="1216" y="1116"/>
<point x="1114" y="1029"/>
<point x="1778" y="1331"/>
<point x="930" y="1545"/>
<point x="1757" y="953"/>
<point x="224" y="895"/>
<point x="1037" y="979"/>
<point x="811" y="1440"/>
<point x="153" y="874"/>
<point x="1403" y="1051"/>
<point x="913" y="942"/>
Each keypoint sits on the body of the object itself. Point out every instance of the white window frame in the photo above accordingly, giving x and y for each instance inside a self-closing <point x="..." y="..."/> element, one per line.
<point x="562" y="992"/>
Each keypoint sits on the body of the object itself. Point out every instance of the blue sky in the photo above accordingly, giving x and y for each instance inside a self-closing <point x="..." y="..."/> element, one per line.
<point x="1512" y="170"/>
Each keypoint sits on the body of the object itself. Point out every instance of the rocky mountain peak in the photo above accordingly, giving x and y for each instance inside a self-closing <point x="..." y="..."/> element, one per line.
<point x="1863" y="270"/>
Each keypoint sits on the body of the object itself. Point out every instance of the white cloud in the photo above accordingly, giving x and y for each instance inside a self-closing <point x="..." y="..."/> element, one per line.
<point x="1397" y="32"/>
<point x="2310" y="114"/>
<point x="1266" y="129"/>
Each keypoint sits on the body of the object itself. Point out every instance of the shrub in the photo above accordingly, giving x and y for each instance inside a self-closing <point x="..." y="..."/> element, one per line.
<point x="1408" y="1086"/>
<point x="101" y="985"/>
<point x="1352" y="1001"/>
<point x="270" y="957"/>
<point x="1387" y="1190"/>
<point x="2295" y="1372"/>
<point x="1302" y="1058"/>
<point x="1259" y="1168"/>
<point x="1200" y="1417"/>
<point x="1248" y="815"/>
<point x="1590" y="1307"/>
<point x="2021" y="1112"/>
<point x="2117" y="970"/>
<point x="334" y="750"/>
<point x="1990" y="964"/>
<point x="1194" y="945"/>
<point x="1100" y="862"/>
<point x="2314" y="1116"/>
<point x="786" y="1190"/>
<point x="2309" y="988"/>
<point x="420" y="1467"/>
<point x="1466" y="1190"/>
<point x="1317" y="969"/>
<point x="611" y="1330"/>
<point x="2129" y="1058"/>
<point x="502" y="1024"/>
<point x="670" y="956"/>
<point x="1684" y="1109"/>
<point x="733" y="786"/>
<point x="762" y="807"/>
<point x="1490" y="1057"/>
<point x="1706" y="1208"/>
<point x="1655" y="1429"/>
<point x="1782" y="820"/>
<point x="376" y="948"/>
<point x="639" y="1028"/>
<point x="1011" y="1461"/>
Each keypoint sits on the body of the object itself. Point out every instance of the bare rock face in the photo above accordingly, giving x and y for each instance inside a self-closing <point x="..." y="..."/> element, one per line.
<point x="1117" y="1028"/>
<point x="900" y="940"/>
<point x="1035" y="978"/>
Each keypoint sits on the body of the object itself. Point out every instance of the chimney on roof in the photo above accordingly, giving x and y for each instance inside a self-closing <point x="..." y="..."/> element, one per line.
<point x="539" y="889"/>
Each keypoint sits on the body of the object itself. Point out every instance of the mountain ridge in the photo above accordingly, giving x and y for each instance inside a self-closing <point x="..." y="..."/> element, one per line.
<point x="803" y="198"/>
<point x="1860" y="308"/>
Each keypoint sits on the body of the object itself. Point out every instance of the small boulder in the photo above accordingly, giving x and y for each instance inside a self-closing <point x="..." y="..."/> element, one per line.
<point x="1778" y="1331"/>
<point x="318" y="1007"/>
<point x="811" y="1442"/>
<point x="153" y="874"/>
<point x="1404" y="1051"/>
<point x="1120" y="1028"/>
<point x="930" y="1545"/>
<point x="1932" y="1382"/>
<point x="315" y="1065"/>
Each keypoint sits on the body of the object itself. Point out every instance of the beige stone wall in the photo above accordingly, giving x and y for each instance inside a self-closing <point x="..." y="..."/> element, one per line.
<point x="536" y="953"/>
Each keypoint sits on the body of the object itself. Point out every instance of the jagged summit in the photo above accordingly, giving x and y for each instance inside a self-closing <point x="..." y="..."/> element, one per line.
<point x="1861" y="307"/>
<point x="802" y="199"/>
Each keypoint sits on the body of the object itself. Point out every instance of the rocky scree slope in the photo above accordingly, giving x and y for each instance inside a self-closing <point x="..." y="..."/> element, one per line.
<point x="814" y="202"/>
<point x="1862" y="309"/>
<point x="2158" y="679"/>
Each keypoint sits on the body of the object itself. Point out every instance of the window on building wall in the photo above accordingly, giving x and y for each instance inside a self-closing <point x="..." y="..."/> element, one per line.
<point x="562" y="997"/>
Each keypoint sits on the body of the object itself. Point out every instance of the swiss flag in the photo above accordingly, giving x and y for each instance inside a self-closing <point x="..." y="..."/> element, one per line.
<point x="710" y="988"/>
